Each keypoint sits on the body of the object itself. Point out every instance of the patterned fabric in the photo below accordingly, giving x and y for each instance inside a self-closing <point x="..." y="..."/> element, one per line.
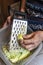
<point x="35" y="25"/>
<point x="34" y="9"/>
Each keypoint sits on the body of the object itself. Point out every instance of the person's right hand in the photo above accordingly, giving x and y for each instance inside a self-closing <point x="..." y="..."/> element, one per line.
<point x="32" y="41"/>
<point x="8" y="21"/>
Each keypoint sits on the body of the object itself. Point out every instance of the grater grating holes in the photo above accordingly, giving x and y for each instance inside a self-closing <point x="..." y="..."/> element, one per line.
<point x="19" y="27"/>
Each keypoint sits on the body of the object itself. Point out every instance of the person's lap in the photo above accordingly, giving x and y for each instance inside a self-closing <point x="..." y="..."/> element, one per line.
<point x="38" y="60"/>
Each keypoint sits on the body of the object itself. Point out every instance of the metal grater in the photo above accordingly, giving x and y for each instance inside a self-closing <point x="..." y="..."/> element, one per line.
<point x="19" y="26"/>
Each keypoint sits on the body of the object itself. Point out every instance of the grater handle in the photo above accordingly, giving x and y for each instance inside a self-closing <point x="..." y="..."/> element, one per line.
<point x="18" y="13"/>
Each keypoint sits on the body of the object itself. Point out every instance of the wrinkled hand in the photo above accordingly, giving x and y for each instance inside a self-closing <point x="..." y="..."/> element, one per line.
<point x="8" y="21"/>
<point x="31" y="41"/>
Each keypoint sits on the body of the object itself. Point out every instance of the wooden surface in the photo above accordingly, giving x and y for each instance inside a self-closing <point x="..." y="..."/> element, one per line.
<point x="4" y="6"/>
<point x="4" y="9"/>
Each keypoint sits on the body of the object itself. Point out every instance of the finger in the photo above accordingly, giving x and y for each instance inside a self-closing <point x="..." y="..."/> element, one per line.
<point x="5" y="24"/>
<point x="26" y="42"/>
<point x="35" y="46"/>
<point x="29" y="47"/>
<point x="28" y="36"/>
<point x="21" y="41"/>
<point x="24" y="46"/>
<point x="8" y="19"/>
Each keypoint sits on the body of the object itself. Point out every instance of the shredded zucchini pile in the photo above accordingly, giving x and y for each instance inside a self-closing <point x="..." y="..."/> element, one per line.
<point x="16" y="55"/>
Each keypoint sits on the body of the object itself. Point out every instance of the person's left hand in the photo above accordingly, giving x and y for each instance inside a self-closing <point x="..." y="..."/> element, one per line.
<point x="31" y="41"/>
<point x="8" y="21"/>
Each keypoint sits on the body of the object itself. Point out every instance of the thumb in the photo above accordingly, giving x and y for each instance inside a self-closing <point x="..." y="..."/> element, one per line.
<point x="9" y="19"/>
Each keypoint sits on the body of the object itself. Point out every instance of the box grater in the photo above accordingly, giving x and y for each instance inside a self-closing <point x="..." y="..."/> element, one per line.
<point x="19" y="26"/>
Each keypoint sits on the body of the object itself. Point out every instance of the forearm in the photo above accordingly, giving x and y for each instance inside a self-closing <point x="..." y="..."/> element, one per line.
<point x="23" y="2"/>
<point x="42" y="35"/>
